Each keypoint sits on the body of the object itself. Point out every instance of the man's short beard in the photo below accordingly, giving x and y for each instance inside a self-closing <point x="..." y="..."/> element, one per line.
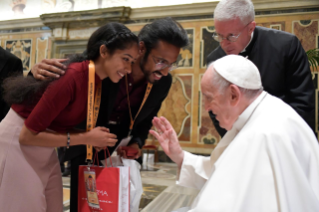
<point x="147" y="73"/>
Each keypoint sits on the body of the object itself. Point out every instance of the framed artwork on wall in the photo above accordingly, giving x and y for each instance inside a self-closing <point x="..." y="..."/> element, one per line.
<point x="186" y="55"/>
<point x="22" y="49"/>
<point x="63" y="49"/>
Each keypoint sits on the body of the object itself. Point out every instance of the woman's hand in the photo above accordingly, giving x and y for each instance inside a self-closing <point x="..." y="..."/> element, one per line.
<point x="101" y="137"/>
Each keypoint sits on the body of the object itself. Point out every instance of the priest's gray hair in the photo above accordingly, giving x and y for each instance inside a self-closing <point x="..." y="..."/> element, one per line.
<point x="222" y="84"/>
<point x="227" y="10"/>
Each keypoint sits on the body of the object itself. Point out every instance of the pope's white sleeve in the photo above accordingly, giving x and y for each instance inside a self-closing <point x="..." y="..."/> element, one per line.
<point x="195" y="171"/>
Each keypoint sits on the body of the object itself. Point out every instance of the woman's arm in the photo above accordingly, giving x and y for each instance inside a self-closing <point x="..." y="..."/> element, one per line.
<point x="99" y="136"/>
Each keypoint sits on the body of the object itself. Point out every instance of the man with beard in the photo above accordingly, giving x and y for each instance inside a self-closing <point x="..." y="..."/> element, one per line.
<point x="160" y="44"/>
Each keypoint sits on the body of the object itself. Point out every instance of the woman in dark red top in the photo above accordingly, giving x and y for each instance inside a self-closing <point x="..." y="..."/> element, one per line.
<point x="30" y="177"/>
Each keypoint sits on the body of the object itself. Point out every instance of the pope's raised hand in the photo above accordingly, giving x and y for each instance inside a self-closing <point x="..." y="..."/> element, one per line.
<point x="168" y="140"/>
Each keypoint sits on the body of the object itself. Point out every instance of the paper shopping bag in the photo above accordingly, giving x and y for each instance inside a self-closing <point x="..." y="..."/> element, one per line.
<point x="136" y="187"/>
<point x="108" y="190"/>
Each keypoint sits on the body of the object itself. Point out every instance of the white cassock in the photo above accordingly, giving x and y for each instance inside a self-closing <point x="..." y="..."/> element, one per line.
<point x="268" y="161"/>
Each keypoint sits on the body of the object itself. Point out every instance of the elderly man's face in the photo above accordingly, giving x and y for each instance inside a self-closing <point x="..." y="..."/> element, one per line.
<point x="234" y="28"/>
<point x="218" y="103"/>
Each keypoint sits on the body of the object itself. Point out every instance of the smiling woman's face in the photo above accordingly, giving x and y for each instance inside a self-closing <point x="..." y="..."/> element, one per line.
<point x="120" y="62"/>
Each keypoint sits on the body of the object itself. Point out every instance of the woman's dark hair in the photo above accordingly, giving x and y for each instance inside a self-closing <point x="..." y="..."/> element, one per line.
<point x="113" y="35"/>
<point x="165" y="29"/>
<point x="26" y="90"/>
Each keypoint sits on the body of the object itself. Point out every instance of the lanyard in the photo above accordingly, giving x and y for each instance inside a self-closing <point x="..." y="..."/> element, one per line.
<point x="92" y="109"/>
<point x="147" y="92"/>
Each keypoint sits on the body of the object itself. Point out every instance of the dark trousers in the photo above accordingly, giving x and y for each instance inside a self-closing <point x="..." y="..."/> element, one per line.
<point x="63" y="168"/>
<point x="76" y="162"/>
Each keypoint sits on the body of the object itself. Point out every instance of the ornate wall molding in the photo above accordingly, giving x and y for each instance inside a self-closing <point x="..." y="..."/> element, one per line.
<point x="60" y="23"/>
<point x="284" y="4"/>
<point x="18" y="24"/>
<point x="90" y="18"/>
<point x="206" y="9"/>
<point x="98" y="17"/>
<point x="61" y="49"/>
<point x="41" y="49"/>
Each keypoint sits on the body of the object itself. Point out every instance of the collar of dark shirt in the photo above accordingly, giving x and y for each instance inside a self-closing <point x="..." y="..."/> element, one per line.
<point x="136" y="92"/>
<point x="133" y="83"/>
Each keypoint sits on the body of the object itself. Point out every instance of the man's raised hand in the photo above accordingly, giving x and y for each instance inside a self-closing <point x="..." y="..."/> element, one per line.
<point x="168" y="140"/>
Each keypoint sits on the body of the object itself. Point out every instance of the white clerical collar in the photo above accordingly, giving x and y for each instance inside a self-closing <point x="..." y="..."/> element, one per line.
<point x="244" y="116"/>
<point x="251" y="38"/>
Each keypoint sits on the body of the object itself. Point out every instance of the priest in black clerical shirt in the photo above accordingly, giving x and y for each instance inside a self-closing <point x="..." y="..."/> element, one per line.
<point x="279" y="56"/>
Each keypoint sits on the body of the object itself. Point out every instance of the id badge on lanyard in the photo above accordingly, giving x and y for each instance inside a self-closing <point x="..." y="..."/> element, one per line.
<point x="90" y="187"/>
<point x="94" y="99"/>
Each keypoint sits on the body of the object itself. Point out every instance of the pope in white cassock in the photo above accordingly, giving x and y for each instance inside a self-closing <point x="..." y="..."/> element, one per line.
<point x="260" y="165"/>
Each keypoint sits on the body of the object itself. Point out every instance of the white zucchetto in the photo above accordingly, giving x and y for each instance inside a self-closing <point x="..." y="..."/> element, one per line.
<point x="239" y="71"/>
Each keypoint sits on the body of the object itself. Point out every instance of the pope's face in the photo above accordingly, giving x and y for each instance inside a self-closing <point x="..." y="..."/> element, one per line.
<point x="217" y="102"/>
<point x="234" y="28"/>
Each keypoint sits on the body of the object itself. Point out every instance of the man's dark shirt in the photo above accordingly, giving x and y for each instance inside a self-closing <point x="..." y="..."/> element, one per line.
<point x="136" y="93"/>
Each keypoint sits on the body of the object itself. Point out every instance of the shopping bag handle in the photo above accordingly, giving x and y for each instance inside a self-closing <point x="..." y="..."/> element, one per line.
<point x="97" y="158"/>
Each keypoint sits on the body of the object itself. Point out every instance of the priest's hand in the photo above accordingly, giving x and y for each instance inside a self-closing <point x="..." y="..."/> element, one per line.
<point x="48" y="68"/>
<point x="167" y="138"/>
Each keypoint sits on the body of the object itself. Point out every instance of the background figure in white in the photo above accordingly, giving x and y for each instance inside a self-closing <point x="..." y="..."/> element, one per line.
<point x="259" y="165"/>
